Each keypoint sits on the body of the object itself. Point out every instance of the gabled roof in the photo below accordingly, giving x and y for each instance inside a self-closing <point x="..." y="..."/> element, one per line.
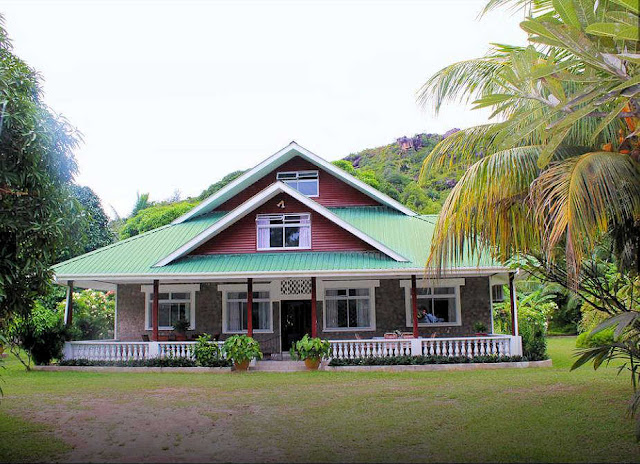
<point x="259" y="199"/>
<point x="133" y="259"/>
<point x="290" y="151"/>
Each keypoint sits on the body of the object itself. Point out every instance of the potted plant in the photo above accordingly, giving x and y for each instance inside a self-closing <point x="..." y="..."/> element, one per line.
<point x="180" y="328"/>
<point x="241" y="349"/>
<point x="311" y="350"/>
<point x="480" y="328"/>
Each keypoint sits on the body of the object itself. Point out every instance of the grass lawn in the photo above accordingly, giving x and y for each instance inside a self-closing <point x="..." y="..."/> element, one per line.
<point x="503" y="415"/>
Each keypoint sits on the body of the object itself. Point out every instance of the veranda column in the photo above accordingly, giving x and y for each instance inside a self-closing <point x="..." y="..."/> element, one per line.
<point x="314" y="314"/>
<point x="68" y="308"/>
<point x="514" y="304"/>
<point x="154" y="310"/>
<point x="414" y="306"/>
<point x="250" y="307"/>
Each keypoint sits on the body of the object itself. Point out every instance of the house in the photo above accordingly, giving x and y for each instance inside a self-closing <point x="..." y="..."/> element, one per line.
<point x="310" y="249"/>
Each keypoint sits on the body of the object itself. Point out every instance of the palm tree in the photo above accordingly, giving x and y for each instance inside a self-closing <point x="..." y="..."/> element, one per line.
<point x="557" y="166"/>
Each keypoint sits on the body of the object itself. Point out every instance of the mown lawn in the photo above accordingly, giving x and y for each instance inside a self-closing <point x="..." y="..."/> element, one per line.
<point x="504" y="415"/>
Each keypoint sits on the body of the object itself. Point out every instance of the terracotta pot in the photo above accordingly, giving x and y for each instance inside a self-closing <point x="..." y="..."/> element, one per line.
<point x="312" y="364"/>
<point x="243" y="366"/>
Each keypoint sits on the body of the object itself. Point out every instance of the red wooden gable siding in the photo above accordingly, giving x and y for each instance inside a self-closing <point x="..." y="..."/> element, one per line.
<point x="241" y="236"/>
<point x="333" y="191"/>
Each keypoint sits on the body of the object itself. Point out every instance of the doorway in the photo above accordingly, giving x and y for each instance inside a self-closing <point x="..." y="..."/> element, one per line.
<point x="295" y="322"/>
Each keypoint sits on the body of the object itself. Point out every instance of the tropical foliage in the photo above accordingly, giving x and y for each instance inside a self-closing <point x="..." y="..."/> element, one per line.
<point x="241" y="348"/>
<point x="558" y="167"/>
<point x="36" y="166"/>
<point x="93" y="315"/>
<point x="40" y="335"/>
<point x="207" y="353"/>
<point x="310" y="348"/>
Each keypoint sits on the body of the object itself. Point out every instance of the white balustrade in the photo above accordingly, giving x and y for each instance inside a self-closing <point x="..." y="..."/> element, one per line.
<point x="125" y="351"/>
<point x="497" y="345"/>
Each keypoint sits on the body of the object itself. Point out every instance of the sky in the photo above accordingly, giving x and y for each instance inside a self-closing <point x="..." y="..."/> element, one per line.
<point x="173" y="95"/>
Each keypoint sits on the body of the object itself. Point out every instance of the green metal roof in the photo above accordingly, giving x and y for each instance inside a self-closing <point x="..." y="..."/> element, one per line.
<point x="410" y="236"/>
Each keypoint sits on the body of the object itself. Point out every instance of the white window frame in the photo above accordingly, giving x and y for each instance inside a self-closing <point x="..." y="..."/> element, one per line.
<point x="297" y="179"/>
<point x="237" y="288"/>
<point x="346" y="285"/>
<point x="172" y="288"/>
<point x="283" y="226"/>
<point x="433" y="283"/>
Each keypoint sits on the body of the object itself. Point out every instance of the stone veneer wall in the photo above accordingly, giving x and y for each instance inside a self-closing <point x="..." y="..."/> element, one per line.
<point x="390" y="312"/>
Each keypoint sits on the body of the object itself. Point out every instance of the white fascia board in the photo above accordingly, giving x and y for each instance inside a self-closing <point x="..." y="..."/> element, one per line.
<point x="221" y="195"/>
<point x="259" y="199"/>
<point x="229" y="276"/>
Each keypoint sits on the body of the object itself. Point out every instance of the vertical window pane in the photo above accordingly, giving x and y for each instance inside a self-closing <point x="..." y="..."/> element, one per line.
<point x="164" y="314"/>
<point x="362" y="313"/>
<point x="342" y="313"/>
<point x="308" y="187"/>
<point x="275" y="237"/>
<point x="292" y="237"/>
<point x="444" y="309"/>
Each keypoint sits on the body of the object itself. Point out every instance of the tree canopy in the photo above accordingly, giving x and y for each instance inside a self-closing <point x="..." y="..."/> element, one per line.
<point x="557" y="168"/>
<point x="36" y="166"/>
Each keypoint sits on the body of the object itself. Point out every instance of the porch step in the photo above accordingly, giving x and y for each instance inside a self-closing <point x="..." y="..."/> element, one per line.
<point x="279" y="366"/>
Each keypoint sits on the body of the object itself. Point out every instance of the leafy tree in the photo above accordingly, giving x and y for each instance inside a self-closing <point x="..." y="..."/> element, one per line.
<point x="558" y="169"/>
<point x="142" y="202"/>
<point x="213" y="188"/>
<point x="36" y="165"/>
<point x="345" y="166"/>
<point x="96" y="231"/>
<point x="93" y="314"/>
<point x="154" y="216"/>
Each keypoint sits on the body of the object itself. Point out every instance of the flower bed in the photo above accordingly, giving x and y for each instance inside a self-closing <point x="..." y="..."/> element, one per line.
<point x="154" y="362"/>
<point x="422" y="360"/>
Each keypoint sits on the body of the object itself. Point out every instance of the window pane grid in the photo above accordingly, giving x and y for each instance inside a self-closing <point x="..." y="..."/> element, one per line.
<point x="348" y="308"/>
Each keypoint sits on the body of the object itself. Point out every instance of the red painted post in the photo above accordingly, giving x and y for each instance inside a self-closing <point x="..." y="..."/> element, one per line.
<point x="250" y="307"/>
<point x="414" y="306"/>
<point x="68" y="315"/>
<point x="154" y="310"/>
<point x="512" y="298"/>
<point x="314" y="314"/>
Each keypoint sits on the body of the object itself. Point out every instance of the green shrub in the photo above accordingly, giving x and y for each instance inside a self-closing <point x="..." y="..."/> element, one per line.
<point x="154" y="362"/>
<point x="41" y="335"/>
<point x="207" y="354"/>
<point x="240" y="348"/>
<point x="310" y="348"/>
<point x="532" y="323"/>
<point x="93" y="315"/>
<point x="422" y="360"/>
<point x="593" y="340"/>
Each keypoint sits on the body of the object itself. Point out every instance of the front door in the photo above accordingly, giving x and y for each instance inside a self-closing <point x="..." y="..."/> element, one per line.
<point x="296" y="321"/>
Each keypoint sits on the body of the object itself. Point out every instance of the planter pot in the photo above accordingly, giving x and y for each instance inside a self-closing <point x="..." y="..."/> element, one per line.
<point x="243" y="366"/>
<point x="390" y="336"/>
<point x="312" y="364"/>
<point x="181" y="337"/>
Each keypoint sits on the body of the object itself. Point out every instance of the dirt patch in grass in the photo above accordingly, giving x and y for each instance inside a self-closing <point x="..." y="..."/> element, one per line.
<point x="103" y="430"/>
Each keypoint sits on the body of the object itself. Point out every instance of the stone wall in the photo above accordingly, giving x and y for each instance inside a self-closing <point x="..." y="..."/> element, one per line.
<point x="389" y="303"/>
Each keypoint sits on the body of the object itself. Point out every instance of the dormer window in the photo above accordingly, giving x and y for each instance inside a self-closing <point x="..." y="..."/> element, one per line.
<point x="305" y="182"/>
<point x="284" y="231"/>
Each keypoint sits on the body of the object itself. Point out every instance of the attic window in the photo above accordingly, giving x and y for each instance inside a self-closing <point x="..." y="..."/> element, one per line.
<point x="284" y="231"/>
<point x="305" y="182"/>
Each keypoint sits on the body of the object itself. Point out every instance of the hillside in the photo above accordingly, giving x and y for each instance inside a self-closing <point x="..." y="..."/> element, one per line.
<point x="393" y="169"/>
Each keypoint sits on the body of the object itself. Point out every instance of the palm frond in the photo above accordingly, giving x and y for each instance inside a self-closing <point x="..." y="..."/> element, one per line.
<point x="576" y="199"/>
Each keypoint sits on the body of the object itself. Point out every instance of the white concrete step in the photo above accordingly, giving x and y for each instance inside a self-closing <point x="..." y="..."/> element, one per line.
<point x="279" y="366"/>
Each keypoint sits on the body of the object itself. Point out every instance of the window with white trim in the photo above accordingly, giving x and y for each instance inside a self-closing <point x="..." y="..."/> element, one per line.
<point x="235" y="311"/>
<point x="283" y="231"/>
<point x="305" y="182"/>
<point x="438" y="302"/>
<point x="172" y="307"/>
<point x="348" y="308"/>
